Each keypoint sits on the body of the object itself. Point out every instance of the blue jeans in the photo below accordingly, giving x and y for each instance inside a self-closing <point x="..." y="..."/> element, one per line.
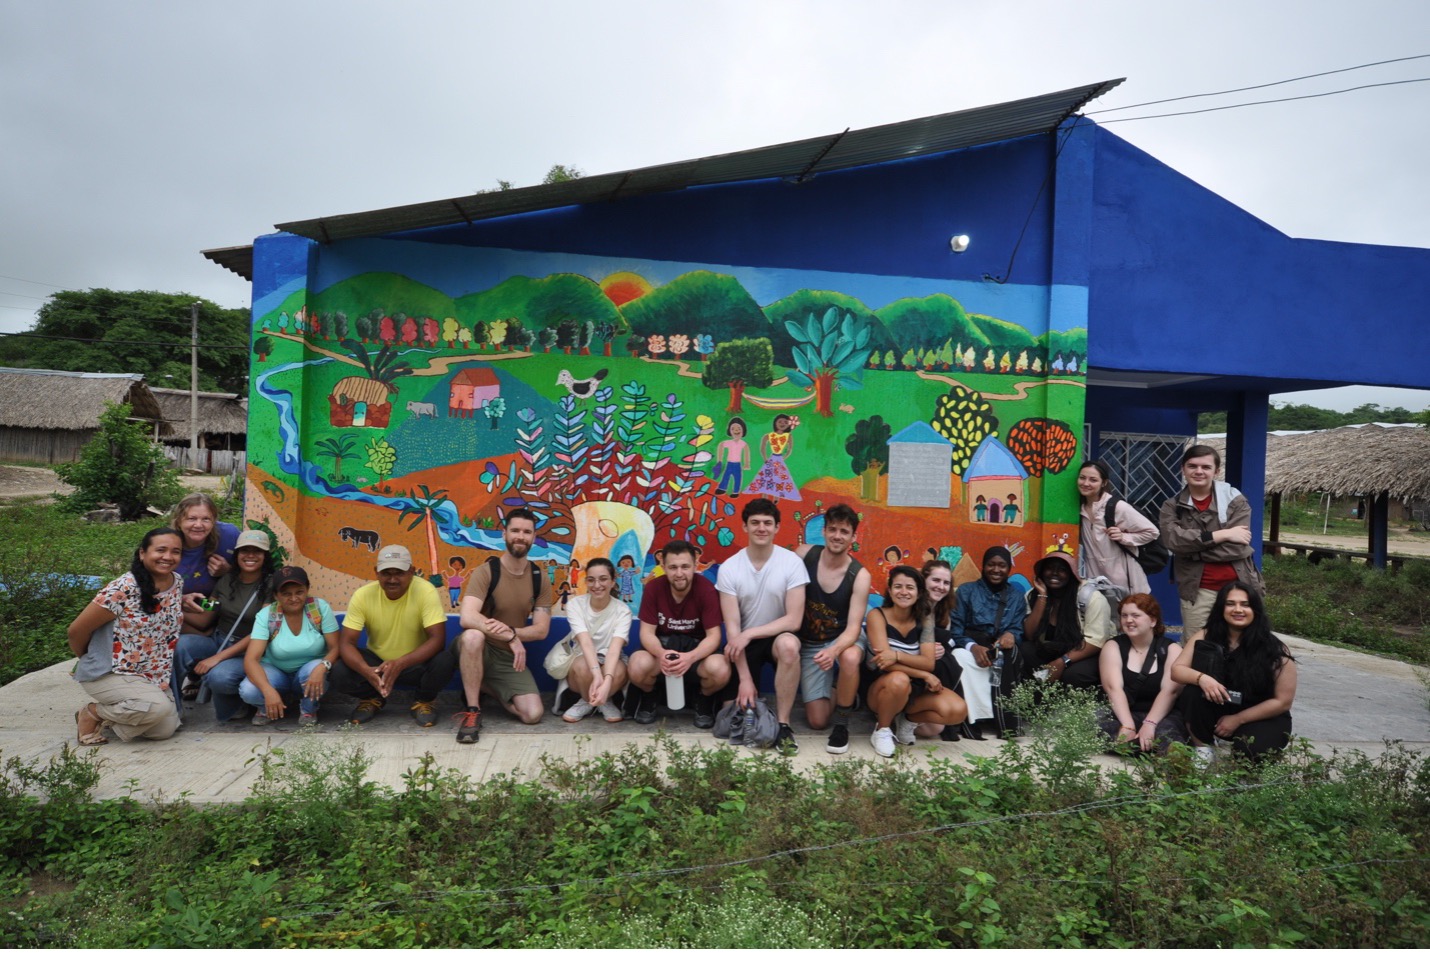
<point x="222" y="679"/>
<point x="284" y="683"/>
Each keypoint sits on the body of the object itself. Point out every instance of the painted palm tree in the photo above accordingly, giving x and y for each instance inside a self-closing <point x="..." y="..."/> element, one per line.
<point x="339" y="448"/>
<point x="420" y="506"/>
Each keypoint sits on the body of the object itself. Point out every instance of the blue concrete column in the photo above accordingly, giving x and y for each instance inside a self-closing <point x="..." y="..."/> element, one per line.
<point x="1245" y="463"/>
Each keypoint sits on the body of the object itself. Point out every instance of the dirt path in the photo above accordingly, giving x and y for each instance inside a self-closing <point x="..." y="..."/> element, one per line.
<point x="1402" y="542"/>
<point x="19" y="483"/>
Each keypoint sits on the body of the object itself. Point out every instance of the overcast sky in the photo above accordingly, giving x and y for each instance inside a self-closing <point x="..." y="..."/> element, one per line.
<point x="133" y="135"/>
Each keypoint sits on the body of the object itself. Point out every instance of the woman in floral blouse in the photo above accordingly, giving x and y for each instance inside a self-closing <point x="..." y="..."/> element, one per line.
<point x="125" y="642"/>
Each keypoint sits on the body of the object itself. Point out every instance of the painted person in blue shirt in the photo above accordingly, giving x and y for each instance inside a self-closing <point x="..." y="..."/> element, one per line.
<point x="987" y="616"/>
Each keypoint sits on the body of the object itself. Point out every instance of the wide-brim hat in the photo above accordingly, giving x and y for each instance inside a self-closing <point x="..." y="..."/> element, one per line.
<point x="1060" y="556"/>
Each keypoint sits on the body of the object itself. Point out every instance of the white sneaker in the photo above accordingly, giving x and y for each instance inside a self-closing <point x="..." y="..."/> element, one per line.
<point x="576" y="712"/>
<point x="903" y="730"/>
<point x="1204" y="756"/>
<point x="610" y="712"/>
<point x="883" y="742"/>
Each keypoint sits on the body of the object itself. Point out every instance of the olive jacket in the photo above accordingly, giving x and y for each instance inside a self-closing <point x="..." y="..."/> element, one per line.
<point x="1187" y="533"/>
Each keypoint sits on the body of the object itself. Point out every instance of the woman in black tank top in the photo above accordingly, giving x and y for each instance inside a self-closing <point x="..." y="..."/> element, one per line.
<point x="1136" y="669"/>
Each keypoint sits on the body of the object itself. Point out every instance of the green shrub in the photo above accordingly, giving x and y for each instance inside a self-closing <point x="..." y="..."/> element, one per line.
<point x="120" y="465"/>
<point x="1346" y="603"/>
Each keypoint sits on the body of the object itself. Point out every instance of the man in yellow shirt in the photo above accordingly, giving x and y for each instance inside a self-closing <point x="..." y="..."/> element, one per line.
<point x="406" y="635"/>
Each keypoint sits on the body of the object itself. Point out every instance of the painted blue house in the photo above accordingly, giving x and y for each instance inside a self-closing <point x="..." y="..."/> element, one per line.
<point x="1189" y="304"/>
<point x="995" y="491"/>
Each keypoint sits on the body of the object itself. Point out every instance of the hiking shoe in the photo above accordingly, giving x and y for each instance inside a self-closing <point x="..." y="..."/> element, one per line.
<point x="469" y="727"/>
<point x="424" y="714"/>
<point x="785" y="743"/>
<point x="367" y="710"/>
<point x="260" y="718"/>
<point x="645" y="710"/>
<point x="883" y="742"/>
<point x="838" y="742"/>
<point x="576" y="712"/>
<point x="903" y="730"/>
<point x="610" y="712"/>
<point x="949" y="733"/>
<point x="308" y="719"/>
<point x="704" y="712"/>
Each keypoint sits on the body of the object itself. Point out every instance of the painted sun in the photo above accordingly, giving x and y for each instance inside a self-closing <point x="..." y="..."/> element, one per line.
<point x="624" y="286"/>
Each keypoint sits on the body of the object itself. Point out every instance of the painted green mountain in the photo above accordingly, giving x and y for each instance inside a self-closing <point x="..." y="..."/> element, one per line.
<point x="929" y="322"/>
<point x="1003" y="335"/>
<point x="540" y="302"/>
<point x="1073" y="341"/>
<point x="698" y="302"/>
<point x="800" y="305"/>
<point x="382" y="290"/>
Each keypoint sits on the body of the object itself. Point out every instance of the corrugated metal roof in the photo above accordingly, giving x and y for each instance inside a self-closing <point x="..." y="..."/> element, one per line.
<point x="795" y="161"/>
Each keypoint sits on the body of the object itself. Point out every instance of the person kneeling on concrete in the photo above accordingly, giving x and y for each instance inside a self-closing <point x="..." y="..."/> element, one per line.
<point x="406" y="632"/>
<point x="590" y="657"/>
<point x="680" y="637"/>
<point x="508" y="603"/>
<point x="290" y="652"/>
<point x="125" y="642"/>
<point x="1066" y="625"/>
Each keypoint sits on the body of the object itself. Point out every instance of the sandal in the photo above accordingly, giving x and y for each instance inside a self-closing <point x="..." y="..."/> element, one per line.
<point x="95" y="737"/>
<point x="190" y="690"/>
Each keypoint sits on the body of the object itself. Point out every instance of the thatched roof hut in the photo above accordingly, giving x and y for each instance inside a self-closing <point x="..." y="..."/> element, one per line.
<point x="363" y="389"/>
<point x="220" y="415"/>
<point x="1360" y="460"/>
<point x="48" y="416"/>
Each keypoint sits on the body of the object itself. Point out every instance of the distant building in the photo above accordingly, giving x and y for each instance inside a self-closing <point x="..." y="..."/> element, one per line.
<point x="48" y="416"/>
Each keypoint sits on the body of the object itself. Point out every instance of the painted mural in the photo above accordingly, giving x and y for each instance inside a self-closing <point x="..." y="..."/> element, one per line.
<point x="630" y="403"/>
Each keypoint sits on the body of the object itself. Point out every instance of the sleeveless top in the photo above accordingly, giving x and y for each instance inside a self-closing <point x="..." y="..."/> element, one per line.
<point x="907" y="643"/>
<point x="1141" y="690"/>
<point x="825" y="613"/>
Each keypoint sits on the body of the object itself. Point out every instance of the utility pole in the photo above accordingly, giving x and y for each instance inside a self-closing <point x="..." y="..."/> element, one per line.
<point x="194" y="379"/>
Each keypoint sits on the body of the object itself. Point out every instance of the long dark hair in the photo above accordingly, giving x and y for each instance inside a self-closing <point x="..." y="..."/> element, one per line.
<point x="921" y="604"/>
<point x="148" y="591"/>
<point x="944" y="607"/>
<point x="1068" y="623"/>
<point x="1103" y="471"/>
<point x="1259" y="654"/>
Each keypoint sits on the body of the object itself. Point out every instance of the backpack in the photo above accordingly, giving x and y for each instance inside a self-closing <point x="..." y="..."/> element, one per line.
<point x="1113" y="593"/>
<point x="1152" y="557"/>
<point x="730" y="724"/>
<point x="494" y="571"/>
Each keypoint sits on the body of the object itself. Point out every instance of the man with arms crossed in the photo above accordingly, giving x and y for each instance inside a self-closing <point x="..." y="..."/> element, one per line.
<point x="680" y="636"/>
<point x="497" y="622"/>
<point x="762" y="601"/>
<point x="1207" y="527"/>
<point x="834" y="607"/>
<point x="406" y="633"/>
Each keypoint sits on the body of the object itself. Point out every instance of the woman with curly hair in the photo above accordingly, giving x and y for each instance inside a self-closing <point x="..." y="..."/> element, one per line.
<point x="1251" y="705"/>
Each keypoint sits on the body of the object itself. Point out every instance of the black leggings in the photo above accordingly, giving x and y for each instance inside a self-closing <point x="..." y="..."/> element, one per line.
<point x="428" y="678"/>
<point x="1253" y="740"/>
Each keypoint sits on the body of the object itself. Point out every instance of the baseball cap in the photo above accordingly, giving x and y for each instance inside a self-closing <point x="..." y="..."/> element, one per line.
<point x="394" y="557"/>
<point x="255" y="538"/>
<point x="287" y="574"/>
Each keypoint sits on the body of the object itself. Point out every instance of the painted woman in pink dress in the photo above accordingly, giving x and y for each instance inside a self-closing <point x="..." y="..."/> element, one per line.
<point x="774" y="479"/>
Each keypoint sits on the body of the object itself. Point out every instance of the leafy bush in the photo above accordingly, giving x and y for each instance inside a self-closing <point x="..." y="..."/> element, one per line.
<point x="1347" y="603"/>
<point x="709" y="847"/>
<point x="120" y="465"/>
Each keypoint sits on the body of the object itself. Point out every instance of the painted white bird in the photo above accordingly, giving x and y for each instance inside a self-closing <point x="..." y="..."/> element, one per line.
<point x="583" y="388"/>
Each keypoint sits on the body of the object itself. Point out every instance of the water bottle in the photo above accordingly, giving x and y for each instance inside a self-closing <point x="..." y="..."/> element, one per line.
<point x="995" y="676"/>
<point x="750" y="725"/>
<point x="674" y="688"/>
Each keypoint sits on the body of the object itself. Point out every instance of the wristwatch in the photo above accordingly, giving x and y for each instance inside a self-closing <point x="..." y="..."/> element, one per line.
<point x="326" y="664"/>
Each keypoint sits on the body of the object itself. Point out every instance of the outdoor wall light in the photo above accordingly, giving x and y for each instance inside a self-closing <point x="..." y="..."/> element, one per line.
<point x="958" y="243"/>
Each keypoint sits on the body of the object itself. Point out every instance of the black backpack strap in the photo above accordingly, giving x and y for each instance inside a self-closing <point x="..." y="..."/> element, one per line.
<point x="535" y="584"/>
<point x="494" y="567"/>
<point x="811" y="561"/>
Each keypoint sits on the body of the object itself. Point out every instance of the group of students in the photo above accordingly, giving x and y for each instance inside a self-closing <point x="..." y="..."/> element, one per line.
<point x="202" y="608"/>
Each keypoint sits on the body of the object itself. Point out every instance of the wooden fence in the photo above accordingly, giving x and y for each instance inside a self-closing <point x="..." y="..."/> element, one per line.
<point x="209" y="461"/>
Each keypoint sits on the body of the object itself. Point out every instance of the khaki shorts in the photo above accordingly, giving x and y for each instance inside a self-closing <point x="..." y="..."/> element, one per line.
<point x="1196" y="612"/>
<point x="498" y="677"/>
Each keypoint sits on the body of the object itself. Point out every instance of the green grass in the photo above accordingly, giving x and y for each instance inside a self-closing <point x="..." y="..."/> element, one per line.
<point x="37" y="538"/>
<point x="1344" y="603"/>
<point x="661" y="846"/>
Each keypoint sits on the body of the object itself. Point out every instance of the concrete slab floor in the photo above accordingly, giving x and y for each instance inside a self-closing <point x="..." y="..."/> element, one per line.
<point x="1346" y="699"/>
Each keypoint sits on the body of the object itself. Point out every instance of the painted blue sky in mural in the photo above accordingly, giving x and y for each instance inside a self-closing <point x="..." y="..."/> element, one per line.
<point x="458" y="271"/>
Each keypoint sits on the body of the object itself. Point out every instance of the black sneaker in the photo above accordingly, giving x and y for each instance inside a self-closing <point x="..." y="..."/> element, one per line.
<point x="469" y="727"/>
<point x="949" y="733"/>
<point x="645" y="709"/>
<point x="785" y="743"/>
<point x="367" y="710"/>
<point x="838" y="742"/>
<point x="704" y="712"/>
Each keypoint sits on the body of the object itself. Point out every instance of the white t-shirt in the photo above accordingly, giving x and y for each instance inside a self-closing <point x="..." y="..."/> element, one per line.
<point x="612" y="622"/>
<point x="761" y="592"/>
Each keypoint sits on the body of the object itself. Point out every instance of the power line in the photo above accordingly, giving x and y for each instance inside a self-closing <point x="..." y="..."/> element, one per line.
<point x="17" y="294"/>
<point x="34" y="282"/>
<point x="1245" y="89"/>
<point x="1263" y="102"/>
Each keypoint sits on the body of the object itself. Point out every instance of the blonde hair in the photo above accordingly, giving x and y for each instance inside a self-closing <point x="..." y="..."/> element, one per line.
<point x="188" y="503"/>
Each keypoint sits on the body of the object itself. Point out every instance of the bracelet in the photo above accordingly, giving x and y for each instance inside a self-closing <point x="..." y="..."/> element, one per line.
<point x="1128" y="728"/>
<point x="1148" y="721"/>
<point x="1199" y="679"/>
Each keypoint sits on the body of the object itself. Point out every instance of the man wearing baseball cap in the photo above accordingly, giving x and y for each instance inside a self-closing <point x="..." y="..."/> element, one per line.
<point x="406" y="635"/>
